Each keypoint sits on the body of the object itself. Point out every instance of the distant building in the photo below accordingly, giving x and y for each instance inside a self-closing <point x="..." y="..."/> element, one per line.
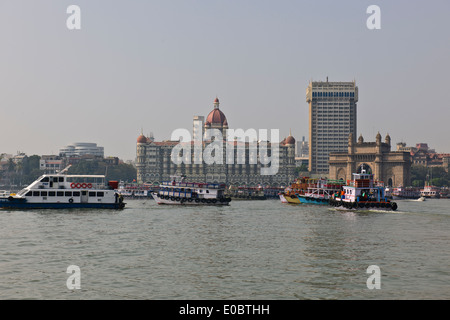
<point x="51" y="163"/>
<point x="391" y="167"/>
<point x="422" y="155"/>
<point x="332" y="117"/>
<point x="302" y="148"/>
<point x="78" y="149"/>
<point x="154" y="163"/>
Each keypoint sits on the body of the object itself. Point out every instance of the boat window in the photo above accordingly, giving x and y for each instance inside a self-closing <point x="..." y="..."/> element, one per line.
<point x="61" y="179"/>
<point x="76" y="193"/>
<point x="100" y="194"/>
<point x="29" y="193"/>
<point x="60" y="194"/>
<point x="207" y="191"/>
<point x="45" y="179"/>
<point x="36" y="193"/>
<point x="55" y="179"/>
<point x="51" y="193"/>
<point x="68" y="193"/>
<point x="83" y="193"/>
<point x="43" y="193"/>
<point x="91" y="194"/>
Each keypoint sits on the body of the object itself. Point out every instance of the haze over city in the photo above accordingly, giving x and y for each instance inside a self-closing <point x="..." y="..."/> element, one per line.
<point x="153" y="65"/>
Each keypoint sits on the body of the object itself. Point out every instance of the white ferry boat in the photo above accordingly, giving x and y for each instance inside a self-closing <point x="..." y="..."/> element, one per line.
<point x="430" y="192"/>
<point x="180" y="192"/>
<point x="60" y="191"/>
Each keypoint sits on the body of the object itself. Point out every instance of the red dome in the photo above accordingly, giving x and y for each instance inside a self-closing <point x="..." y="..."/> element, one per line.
<point x="141" y="139"/>
<point x="289" y="140"/>
<point x="216" y="117"/>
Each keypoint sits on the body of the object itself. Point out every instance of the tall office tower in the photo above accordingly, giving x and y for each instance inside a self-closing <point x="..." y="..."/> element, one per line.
<point x="332" y="117"/>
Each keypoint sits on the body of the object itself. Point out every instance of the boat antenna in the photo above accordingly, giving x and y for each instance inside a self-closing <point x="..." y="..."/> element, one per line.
<point x="65" y="169"/>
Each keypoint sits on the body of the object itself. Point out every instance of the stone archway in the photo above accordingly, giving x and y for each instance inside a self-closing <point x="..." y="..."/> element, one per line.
<point x="365" y="167"/>
<point x="390" y="182"/>
<point x="341" y="174"/>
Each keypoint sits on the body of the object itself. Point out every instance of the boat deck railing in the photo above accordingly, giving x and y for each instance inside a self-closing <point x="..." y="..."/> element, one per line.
<point x="194" y="185"/>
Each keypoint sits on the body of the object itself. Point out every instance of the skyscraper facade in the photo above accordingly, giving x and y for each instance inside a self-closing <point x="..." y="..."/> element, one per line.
<point x="332" y="117"/>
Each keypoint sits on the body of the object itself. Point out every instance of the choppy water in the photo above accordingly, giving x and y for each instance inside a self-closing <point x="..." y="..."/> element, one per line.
<point x="249" y="250"/>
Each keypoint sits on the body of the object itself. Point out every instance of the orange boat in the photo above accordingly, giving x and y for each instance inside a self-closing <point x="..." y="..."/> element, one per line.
<point x="299" y="186"/>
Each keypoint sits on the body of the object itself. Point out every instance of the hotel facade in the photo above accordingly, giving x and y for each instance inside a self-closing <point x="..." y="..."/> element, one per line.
<point x="154" y="159"/>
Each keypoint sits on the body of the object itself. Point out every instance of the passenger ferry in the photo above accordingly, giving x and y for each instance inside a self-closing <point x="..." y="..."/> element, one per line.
<point x="320" y="191"/>
<point x="60" y="191"/>
<point x="430" y="192"/>
<point x="400" y="193"/>
<point x="362" y="193"/>
<point x="178" y="191"/>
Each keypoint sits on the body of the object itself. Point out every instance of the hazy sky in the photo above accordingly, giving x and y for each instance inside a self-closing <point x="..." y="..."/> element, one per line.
<point x="156" y="64"/>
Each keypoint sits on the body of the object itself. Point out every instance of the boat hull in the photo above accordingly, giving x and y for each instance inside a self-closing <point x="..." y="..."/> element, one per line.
<point x="363" y="206"/>
<point x="292" y="199"/>
<point x="18" y="204"/>
<point x="283" y="199"/>
<point x="190" y="201"/>
<point x="310" y="200"/>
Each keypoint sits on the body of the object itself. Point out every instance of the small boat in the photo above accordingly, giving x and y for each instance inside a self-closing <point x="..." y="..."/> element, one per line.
<point x="245" y="193"/>
<point x="362" y="193"/>
<point x="179" y="192"/>
<point x="320" y="191"/>
<point x="58" y="191"/>
<point x="289" y="195"/>
<point x="430" y="192"/>
<point x="400" y="193"/>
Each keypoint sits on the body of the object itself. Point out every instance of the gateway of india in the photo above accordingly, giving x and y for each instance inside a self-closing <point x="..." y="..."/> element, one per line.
<point x="154" y="164"/>
<point x="391" y="167"/>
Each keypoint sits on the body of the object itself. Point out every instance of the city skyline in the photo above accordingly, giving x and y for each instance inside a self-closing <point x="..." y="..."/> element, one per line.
<point x="153" y="66"/>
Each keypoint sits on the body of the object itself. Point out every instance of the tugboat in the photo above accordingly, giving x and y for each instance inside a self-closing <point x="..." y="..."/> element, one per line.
<point x="362" y="193"/>
<point x="60" y="191"/>
<point x="178" y="191"/>
<point x="320" y="191"/>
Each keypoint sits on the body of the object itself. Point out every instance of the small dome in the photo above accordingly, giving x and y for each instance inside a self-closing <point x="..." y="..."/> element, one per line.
<point x="141" y="139"/>
<point x="216" y="116"/>
<point x="289" y="140"/>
